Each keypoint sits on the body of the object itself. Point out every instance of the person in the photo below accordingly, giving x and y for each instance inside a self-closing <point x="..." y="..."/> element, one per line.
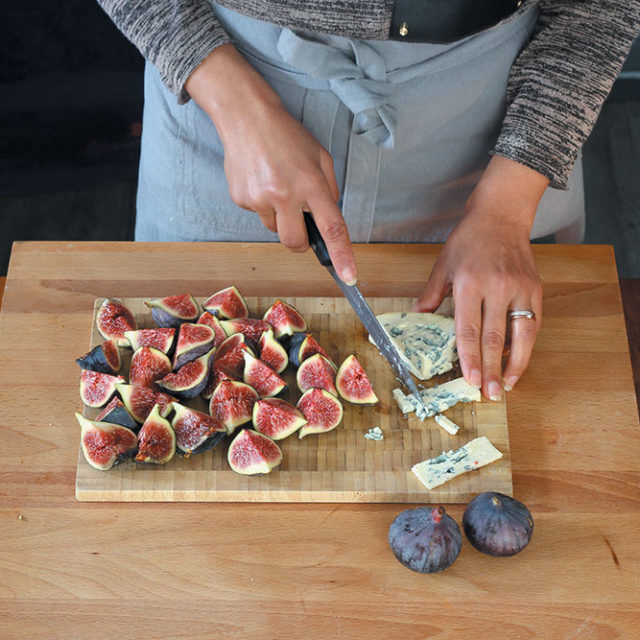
<point x="412" y="121"/>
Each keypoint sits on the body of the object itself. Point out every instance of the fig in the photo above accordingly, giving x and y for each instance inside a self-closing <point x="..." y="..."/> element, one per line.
<point x="262" y="377"/>
<point x="193" y="341"/>
<point x="116" y="413"/>
<point x="316" y="372"/>
<point x="251" y="328"/>
<point x="190" y="379"/>
<point x="103" y="358"/>
<point x="352" y="383"/>
<point x="232" y="403"/>
<point x="276" y="418"/>
<point x="272" y="352"/>
<point x="212" y="321"/>
<point x="113" y="319"/>
<point x="96" y="389"/>
<point x="284" y="318"/>
<point x="160" y="339"/>
<point x="195" y="431"/>
<point x="230" y="355"/>
<point x="227" y="303"/>
<point x="104" y="444"/>
<point x="425" y="540"/>
<point x="252" y="453"/>
<point x="147" y="366"/>
<point x="140" y="400"/>
<point x="497" y="525"/>
<point x="321" y="410"/>
<point x="172" y="311"/>
<point x="156" y="439"/>
<point x="216" y="375"/>
<point x="302" y="346"/>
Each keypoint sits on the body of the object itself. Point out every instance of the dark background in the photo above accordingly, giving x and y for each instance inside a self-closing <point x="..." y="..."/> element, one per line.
<point x="70" y="122"/>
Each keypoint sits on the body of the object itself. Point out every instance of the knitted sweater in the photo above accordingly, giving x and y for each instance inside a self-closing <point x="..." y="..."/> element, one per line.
<point x="556" y="86"/>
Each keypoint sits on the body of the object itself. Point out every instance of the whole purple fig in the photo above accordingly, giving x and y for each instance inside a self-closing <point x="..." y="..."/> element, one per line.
<point x="425" y="539"/>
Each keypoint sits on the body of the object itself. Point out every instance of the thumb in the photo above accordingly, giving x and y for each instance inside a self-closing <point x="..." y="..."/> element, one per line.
<point x="435" y="290"/>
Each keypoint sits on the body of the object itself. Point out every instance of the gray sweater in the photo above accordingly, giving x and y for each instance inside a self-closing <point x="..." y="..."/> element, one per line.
<point x="556" y="86"/>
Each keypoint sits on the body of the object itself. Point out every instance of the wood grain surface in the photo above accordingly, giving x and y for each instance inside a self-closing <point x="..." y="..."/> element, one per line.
<point x="259" y="571"/>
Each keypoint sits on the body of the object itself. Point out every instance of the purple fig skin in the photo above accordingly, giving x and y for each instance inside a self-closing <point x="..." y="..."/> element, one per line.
<point x="164" y="319"/>
<point x="116" y="413"/>
<point x="96" y="359"/>
<point x="425" y="540"/>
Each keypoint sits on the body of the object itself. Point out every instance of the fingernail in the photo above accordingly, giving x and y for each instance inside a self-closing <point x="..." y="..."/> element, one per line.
<point x="495" y="391"/>
<point x="475" y="378"/>
<point x="510" y="382"/>
<point x="349" y="276"/>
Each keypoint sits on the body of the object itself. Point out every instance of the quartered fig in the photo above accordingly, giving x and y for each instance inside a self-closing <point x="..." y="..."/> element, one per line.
<point x="160" y="339"/>
<point x="212" y="321"/>
<point x="172" y="311"/>
<point x="276" y="418"/>
<point x="230" y="355"/>
<point x="113" y="319"/>
<point x="425" y="539"/>
<point x="272" y="352"/>
<point x="156" y="439"/>
<point x="316" y="372"/>
<point x="216" y="375"/>
<point x="262" y="377"/>
<point x="148" y="365"/>
<point x="497" y="525"/>
<point x="104" y="358"/>
<point x="140" y="400"/>
<point x="352" y="383"/>
<point x="285" y="319"/>
<point x="195" y="431"/>
<point x="251" y="328"/>
<point x="252" y="453"/>
<point x="302" y="346"/>
<point x="322" y="411"/>
<point x="227" y="303"/>
<point x="116" y="413"/>
<point x="96" y="389"/>
<point x="190" y="379"/>
<point x="105" y="445"/>
<point x="193" y="341"/>
<point x="232" y="404"/>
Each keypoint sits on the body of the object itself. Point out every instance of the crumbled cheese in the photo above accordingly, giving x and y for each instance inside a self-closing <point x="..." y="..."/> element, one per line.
<point x="448" y="425"/>
<point x="374" y="433"/>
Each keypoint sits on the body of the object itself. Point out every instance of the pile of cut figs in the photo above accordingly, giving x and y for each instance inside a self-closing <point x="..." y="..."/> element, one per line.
<point x="222" y="355"/>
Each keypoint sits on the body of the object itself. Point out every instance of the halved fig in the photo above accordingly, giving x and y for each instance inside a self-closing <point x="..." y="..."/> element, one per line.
<point x="140" y="400"/>
<point x="96" y="389"/>
<point x="252" y="453"/>
<point x="284" y="318"/>
<point x="251" y="328"/>
<point x="193" y="341"/>
<point x="148" y="365"/>
<point x="195" y="431"/>
<point x="113" y="319"/>
<point x="352" y="382"/>
<point x="160" y="339"/>
<point x="316" y="372"/>
<point x="230" y="354"/>
<point x="216" y="375"/>
<point x="104" y="444"/>
<point x="276" y="418"/>
<point x="232" y="404"/>
<point x="322" y="411"/>
<point x="116" y="413"/>
<point x="212" y="321"/>
<point x="104" y="358"/>
<point x="303" y="346"/>
<point x="272" y="352"/>
<point x="172" y="311"/>
<point x="262" y="377"/>
<point x="156" y="439"/>
<point x="227" y="303"/>
<point x="190" y="379"/>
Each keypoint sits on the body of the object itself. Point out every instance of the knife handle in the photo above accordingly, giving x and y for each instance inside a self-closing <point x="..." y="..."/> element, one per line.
<point x="316" y="241"/>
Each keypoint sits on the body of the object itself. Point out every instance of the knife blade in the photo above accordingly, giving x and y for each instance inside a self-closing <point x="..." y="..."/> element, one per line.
<point x="363" y="311"/>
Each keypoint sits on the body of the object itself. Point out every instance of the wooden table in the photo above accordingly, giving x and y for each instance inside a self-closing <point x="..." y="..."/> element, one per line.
<point x="244" y="571"/>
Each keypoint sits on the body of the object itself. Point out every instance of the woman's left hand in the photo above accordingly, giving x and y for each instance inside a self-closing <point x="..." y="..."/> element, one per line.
<point x="488" y="266"/>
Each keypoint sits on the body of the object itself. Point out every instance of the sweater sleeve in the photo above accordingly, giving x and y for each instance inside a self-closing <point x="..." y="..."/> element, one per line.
<point x="559" y="82"/>
<point x="174" y="35"/>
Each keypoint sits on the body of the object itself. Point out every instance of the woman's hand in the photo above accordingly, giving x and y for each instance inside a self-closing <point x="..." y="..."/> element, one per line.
<point x="274" y="166"/>
<point x="488" y="265"/>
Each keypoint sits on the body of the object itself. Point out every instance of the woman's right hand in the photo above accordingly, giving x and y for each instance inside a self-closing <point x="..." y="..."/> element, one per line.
<point x="274" y="166"/>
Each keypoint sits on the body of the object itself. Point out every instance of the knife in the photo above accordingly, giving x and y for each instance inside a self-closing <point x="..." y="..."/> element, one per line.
<point x="363" y="311"/>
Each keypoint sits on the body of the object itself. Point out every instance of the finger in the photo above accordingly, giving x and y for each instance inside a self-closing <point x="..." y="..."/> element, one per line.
<point x="523" y="337"/>
<point x="494" y="327"/>
<point x="326" y="164"/>
<point x="268" y="219"/>
<point x="333" y="229"/>
<point x="434" y="292"/>
<point x="291" y="229"/>
<point x="468" y="324"/>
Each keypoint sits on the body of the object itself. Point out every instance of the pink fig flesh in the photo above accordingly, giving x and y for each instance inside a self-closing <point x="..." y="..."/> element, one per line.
<point x="147" y="366"/>
<point x="113" y="319"/>
<point x="252" y="453"/>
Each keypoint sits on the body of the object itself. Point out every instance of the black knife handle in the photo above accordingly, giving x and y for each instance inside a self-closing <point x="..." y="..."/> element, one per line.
<point x="316" y="241"/>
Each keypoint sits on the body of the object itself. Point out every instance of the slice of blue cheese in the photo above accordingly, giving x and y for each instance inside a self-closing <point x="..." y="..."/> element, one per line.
<point x="450" y="464"/>
<point x="426" y="342"/>
<point x="439" y="398"/>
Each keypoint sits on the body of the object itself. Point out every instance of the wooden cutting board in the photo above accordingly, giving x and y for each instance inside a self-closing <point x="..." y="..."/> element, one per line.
<point x="339" y="466"/>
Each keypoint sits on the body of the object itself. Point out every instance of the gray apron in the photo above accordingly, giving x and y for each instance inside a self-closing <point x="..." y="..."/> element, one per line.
<point x="409" y="126"/>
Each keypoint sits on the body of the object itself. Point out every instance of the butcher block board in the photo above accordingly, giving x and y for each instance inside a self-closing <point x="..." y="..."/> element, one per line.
<point x="339" y="466"/>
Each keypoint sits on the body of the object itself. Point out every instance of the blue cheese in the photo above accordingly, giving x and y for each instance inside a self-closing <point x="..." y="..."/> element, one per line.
<point x="426" y="342"/>
<point x="448" y="425"/>
<point x="450" y="464"/>
<point x="375" y="433"/>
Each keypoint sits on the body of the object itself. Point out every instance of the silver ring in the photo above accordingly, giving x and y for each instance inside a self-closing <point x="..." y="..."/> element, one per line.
<point x="522" y="313"/>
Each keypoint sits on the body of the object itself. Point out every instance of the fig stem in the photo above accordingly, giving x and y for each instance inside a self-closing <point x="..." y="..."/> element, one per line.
<point x="496" y="501"/>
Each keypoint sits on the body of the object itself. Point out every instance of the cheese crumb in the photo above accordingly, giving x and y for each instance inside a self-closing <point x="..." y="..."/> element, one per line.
<point x="448" y="425"/>
<point x="375" y="433"/>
